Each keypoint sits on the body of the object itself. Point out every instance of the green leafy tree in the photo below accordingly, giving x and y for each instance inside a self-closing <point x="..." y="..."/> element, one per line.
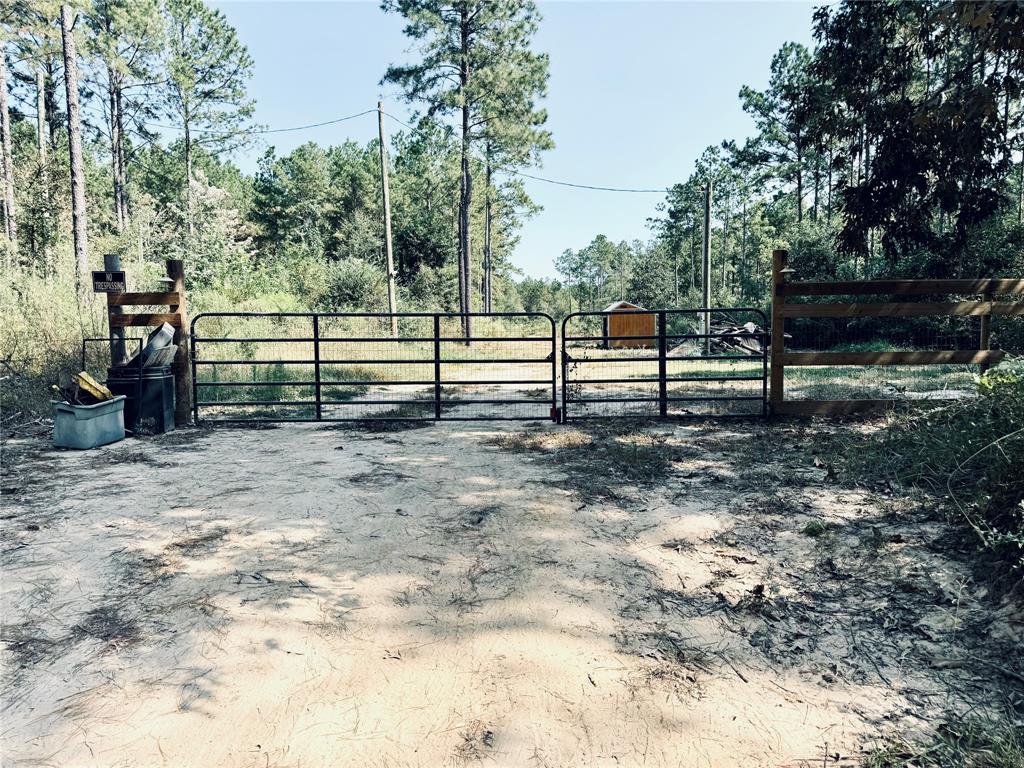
<point x="425" y="181"/>
<point x="928" y="98"/>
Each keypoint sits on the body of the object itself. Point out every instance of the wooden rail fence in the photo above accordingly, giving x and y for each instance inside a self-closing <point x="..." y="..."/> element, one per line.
<point x="782" y="308"/>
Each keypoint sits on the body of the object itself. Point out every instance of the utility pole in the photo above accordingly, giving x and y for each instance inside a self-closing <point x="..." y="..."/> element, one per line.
<point x="706" y="268"/>
<point x="392" y="306"/>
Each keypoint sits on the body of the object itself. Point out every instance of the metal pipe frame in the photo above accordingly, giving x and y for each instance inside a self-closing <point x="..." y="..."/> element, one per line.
<point x="663" y="397"/>
<point x="318" y="381"/>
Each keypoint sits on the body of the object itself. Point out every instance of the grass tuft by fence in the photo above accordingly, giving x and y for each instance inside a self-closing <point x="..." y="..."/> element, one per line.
<point x="971" y="452"/>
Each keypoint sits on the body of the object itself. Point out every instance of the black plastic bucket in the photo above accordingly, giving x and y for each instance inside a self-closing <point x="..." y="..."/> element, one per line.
<point x="149" y="404"/>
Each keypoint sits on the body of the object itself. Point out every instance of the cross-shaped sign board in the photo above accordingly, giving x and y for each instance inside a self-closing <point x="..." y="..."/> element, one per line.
<point x="109" y="282"/>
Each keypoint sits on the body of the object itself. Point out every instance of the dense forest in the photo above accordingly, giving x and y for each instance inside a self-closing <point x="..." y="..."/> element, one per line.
<point x="893" y="148"/>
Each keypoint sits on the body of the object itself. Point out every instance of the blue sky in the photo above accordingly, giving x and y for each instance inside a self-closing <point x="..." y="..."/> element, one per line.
<point x="637" y="91"/>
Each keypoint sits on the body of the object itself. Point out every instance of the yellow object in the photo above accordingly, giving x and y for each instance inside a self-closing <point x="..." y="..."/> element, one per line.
<point x="93" y="387"/>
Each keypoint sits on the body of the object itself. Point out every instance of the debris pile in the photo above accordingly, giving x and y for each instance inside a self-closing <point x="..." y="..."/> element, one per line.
<point x="749" y="343"/>
<point x="83" y="389"/>
<point x="728" y="338"/>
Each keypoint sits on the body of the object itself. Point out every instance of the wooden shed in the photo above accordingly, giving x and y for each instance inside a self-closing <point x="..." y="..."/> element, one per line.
<point x="622" y="319"/>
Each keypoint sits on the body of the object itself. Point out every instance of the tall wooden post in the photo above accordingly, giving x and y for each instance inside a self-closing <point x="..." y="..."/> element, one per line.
<point x="392" y="306"/>
<point x="112" y="263"/>
<point x="706" y="268"/>
<point x="182" y="366"/>
<point x="985" y="340"/>
<point x="777" y="392"/>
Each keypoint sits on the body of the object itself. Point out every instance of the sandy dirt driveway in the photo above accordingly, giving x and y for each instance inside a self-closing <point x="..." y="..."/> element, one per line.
<point x="532" y="595"/>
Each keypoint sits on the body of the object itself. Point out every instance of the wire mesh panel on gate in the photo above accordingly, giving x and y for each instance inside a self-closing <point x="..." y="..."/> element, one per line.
<point x="348" y="366"/>
<point x="675" y="369"/>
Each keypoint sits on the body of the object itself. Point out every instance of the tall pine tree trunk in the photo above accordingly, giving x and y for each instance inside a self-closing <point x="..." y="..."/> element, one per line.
<point x="466" y="183"/>
<point x="188" y="181"/>
<point x="10" y="226"/>
<point x="744" y="271"/>
<point x="488" y="265"/>
<point x="78" y="213"/>
<point x="693" y="258"/>
<point x="115" y="148"/>
<point x="675" y="277"/>
<point x="52" y="118"/>
<point x="817" y="184"/>
<point x="121" y="161"/>
<point x="186" y="121"/>
<point x="828" y="215"/>
<point x="41" y="117"/>
<point x="725" y="248"/>
<point x="799" y="185"/>
<point x="44" y="258"/>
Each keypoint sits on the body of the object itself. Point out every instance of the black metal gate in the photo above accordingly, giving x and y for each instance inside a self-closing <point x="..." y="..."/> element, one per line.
<point x="249" y="366"/>
<point x="665" y="362"/>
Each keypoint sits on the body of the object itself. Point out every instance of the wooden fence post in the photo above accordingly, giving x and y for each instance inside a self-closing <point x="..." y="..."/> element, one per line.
<point x="112" y="263"/>
<point x="182" y="366"/>
<point x="777" y="392"/>
<point x="985" y="340"/>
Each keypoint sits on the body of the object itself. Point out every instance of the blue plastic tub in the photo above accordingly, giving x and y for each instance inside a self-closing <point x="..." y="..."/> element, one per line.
<point x="86" y="426"/>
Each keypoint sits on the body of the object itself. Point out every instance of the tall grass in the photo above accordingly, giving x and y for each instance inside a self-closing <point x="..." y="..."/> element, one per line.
<point x="42" y="325"/>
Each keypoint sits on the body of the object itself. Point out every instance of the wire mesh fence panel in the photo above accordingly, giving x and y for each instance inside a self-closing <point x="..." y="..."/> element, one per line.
<point x="349" y="366"/>
<point x="904" y="382"/>
<point x="663" y="363"/>
<point x="1007" y="331"/>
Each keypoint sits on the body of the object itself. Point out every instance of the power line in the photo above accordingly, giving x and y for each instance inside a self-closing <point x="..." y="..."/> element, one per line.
<point x="560" y="183"/>
<point x="522" y="174"/>
<point x="269" y="130"/>
<point x="585" y="186"/>
<point x="317" y="125"/>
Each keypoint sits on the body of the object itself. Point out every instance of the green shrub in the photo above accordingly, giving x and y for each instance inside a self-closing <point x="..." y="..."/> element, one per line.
<point x="353" y="285"/>
<point x="972" y="452"/>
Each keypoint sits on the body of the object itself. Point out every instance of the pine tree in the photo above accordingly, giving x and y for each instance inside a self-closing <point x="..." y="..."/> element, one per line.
<point x="781" y="115"/>
<point x="207" y="71"/>
<point x="475" y="64"/>
<point x="79" y="227"/>
<point x="6" y="161"/>
<point x="510" y="121"/>
<point x="35" y="71"/>
<point x="127" y="37"/>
